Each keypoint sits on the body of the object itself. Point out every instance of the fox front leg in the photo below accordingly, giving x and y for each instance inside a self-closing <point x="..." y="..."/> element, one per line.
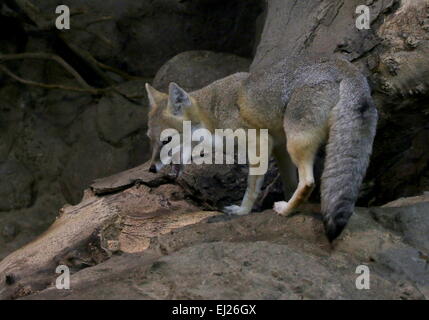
<point x="254" y="185"/>
<point x="261" y="144"/>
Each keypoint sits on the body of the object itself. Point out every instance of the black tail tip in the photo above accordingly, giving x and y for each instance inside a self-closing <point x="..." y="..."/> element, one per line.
<point x="333" y="228"/>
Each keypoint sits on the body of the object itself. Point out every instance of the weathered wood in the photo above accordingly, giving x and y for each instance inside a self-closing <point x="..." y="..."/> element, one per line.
<point x="90" y="232"/>
<point x="125" y="179"/>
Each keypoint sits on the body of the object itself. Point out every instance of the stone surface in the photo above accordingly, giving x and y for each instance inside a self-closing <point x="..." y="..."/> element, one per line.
<point x="155" y="243"/>
<point x="193" y="70"/>
<point x="118" y="118"/>
<point x="80" y="169"/>
<point x="408" y="201"/>
<point x="411" y="220"/>
<point x="141" y="36"/>
<point x="286" y="36"/>
<point x="15" y="186"/>
<point x="227" y="259"/>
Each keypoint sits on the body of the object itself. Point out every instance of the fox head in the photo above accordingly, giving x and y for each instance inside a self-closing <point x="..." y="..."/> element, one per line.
<point x="166" y="112"/>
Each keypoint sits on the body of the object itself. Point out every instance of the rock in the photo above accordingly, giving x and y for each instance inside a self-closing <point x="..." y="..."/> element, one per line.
<point x="11" y="117"/>
<point x="9" y="231"/>
<point x="118" y="118"/>
<point x="245" y="275"/>
<point x="39" y="146"/>
<point x="193" y="70"/>
<point x="302" y="265"/>
<point x="15" y="186"/>
<point x="402" y="202"/>
<point x="137" y="241"/>
<point x="412" y="265"/>
<point x="47" y="133"/>
<point x="141" y="36"/>
<point x="284" y="36"/>
<point x="135" y="89"/>
<point x="80" y="170"/>
<point x="227" y="26"/>
<point x="61" y="108"/>
<point x="412" y="221"/>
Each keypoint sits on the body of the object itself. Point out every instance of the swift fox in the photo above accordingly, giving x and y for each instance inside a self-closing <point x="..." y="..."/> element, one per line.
<point x="304" y="107"/>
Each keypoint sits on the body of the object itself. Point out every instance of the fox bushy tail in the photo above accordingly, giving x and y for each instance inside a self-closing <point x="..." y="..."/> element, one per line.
<point x="351" y="135"/>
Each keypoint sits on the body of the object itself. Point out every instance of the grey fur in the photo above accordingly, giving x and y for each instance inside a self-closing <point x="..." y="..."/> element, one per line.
<point x="303" y="105"/>
<point x="351" y="135"/>
<point x="179" y="99"/>
<point x="332" y="94"/>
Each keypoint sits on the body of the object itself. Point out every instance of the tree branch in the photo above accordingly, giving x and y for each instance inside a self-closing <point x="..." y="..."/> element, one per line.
<point x="87" y="58"/>
<point x="47" y="56"/>
<point x="117" y="71"/>
<point x="33" y="13"/>
<point x="49" y="86"/>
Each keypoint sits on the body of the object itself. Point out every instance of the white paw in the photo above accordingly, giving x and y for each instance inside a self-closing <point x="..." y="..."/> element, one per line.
<point x="235" y="210"/>
<point x="281" y="207"/>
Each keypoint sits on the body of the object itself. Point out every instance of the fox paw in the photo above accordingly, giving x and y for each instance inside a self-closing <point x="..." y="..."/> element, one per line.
<point x="281" y="207"/>
<point x="235" y="210"/>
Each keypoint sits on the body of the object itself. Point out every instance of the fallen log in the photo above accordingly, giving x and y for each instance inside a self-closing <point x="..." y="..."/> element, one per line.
<point x="90" y="232"/>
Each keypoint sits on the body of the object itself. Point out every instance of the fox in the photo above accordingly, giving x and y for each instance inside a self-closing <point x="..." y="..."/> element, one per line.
<point x="305" y="106"/>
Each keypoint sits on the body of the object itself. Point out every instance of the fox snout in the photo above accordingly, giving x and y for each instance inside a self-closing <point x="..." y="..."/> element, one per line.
<point x="156" y="167"/>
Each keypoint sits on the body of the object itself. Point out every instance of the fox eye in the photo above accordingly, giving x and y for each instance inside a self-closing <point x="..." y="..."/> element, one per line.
<point x="167" y="141"/>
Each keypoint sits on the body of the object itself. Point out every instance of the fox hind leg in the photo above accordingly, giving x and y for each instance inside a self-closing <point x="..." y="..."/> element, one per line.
<point x="306" y="125"/>
<point x="287" y="170"/>
<point x="302" y="148"/>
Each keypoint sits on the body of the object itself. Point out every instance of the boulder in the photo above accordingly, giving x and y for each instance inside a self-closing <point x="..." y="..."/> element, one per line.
<point x="147" y="240"/>
<point x="88" y="152"/>
<point x="194" y="70"/>
<point x="16" y="186"/>
<point x="140" y="36"/>
<point x="118" y="118"/>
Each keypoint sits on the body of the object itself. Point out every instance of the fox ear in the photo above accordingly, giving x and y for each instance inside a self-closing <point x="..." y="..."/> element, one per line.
<point x="179" y="99"/>
<point x="154" y="95"/>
